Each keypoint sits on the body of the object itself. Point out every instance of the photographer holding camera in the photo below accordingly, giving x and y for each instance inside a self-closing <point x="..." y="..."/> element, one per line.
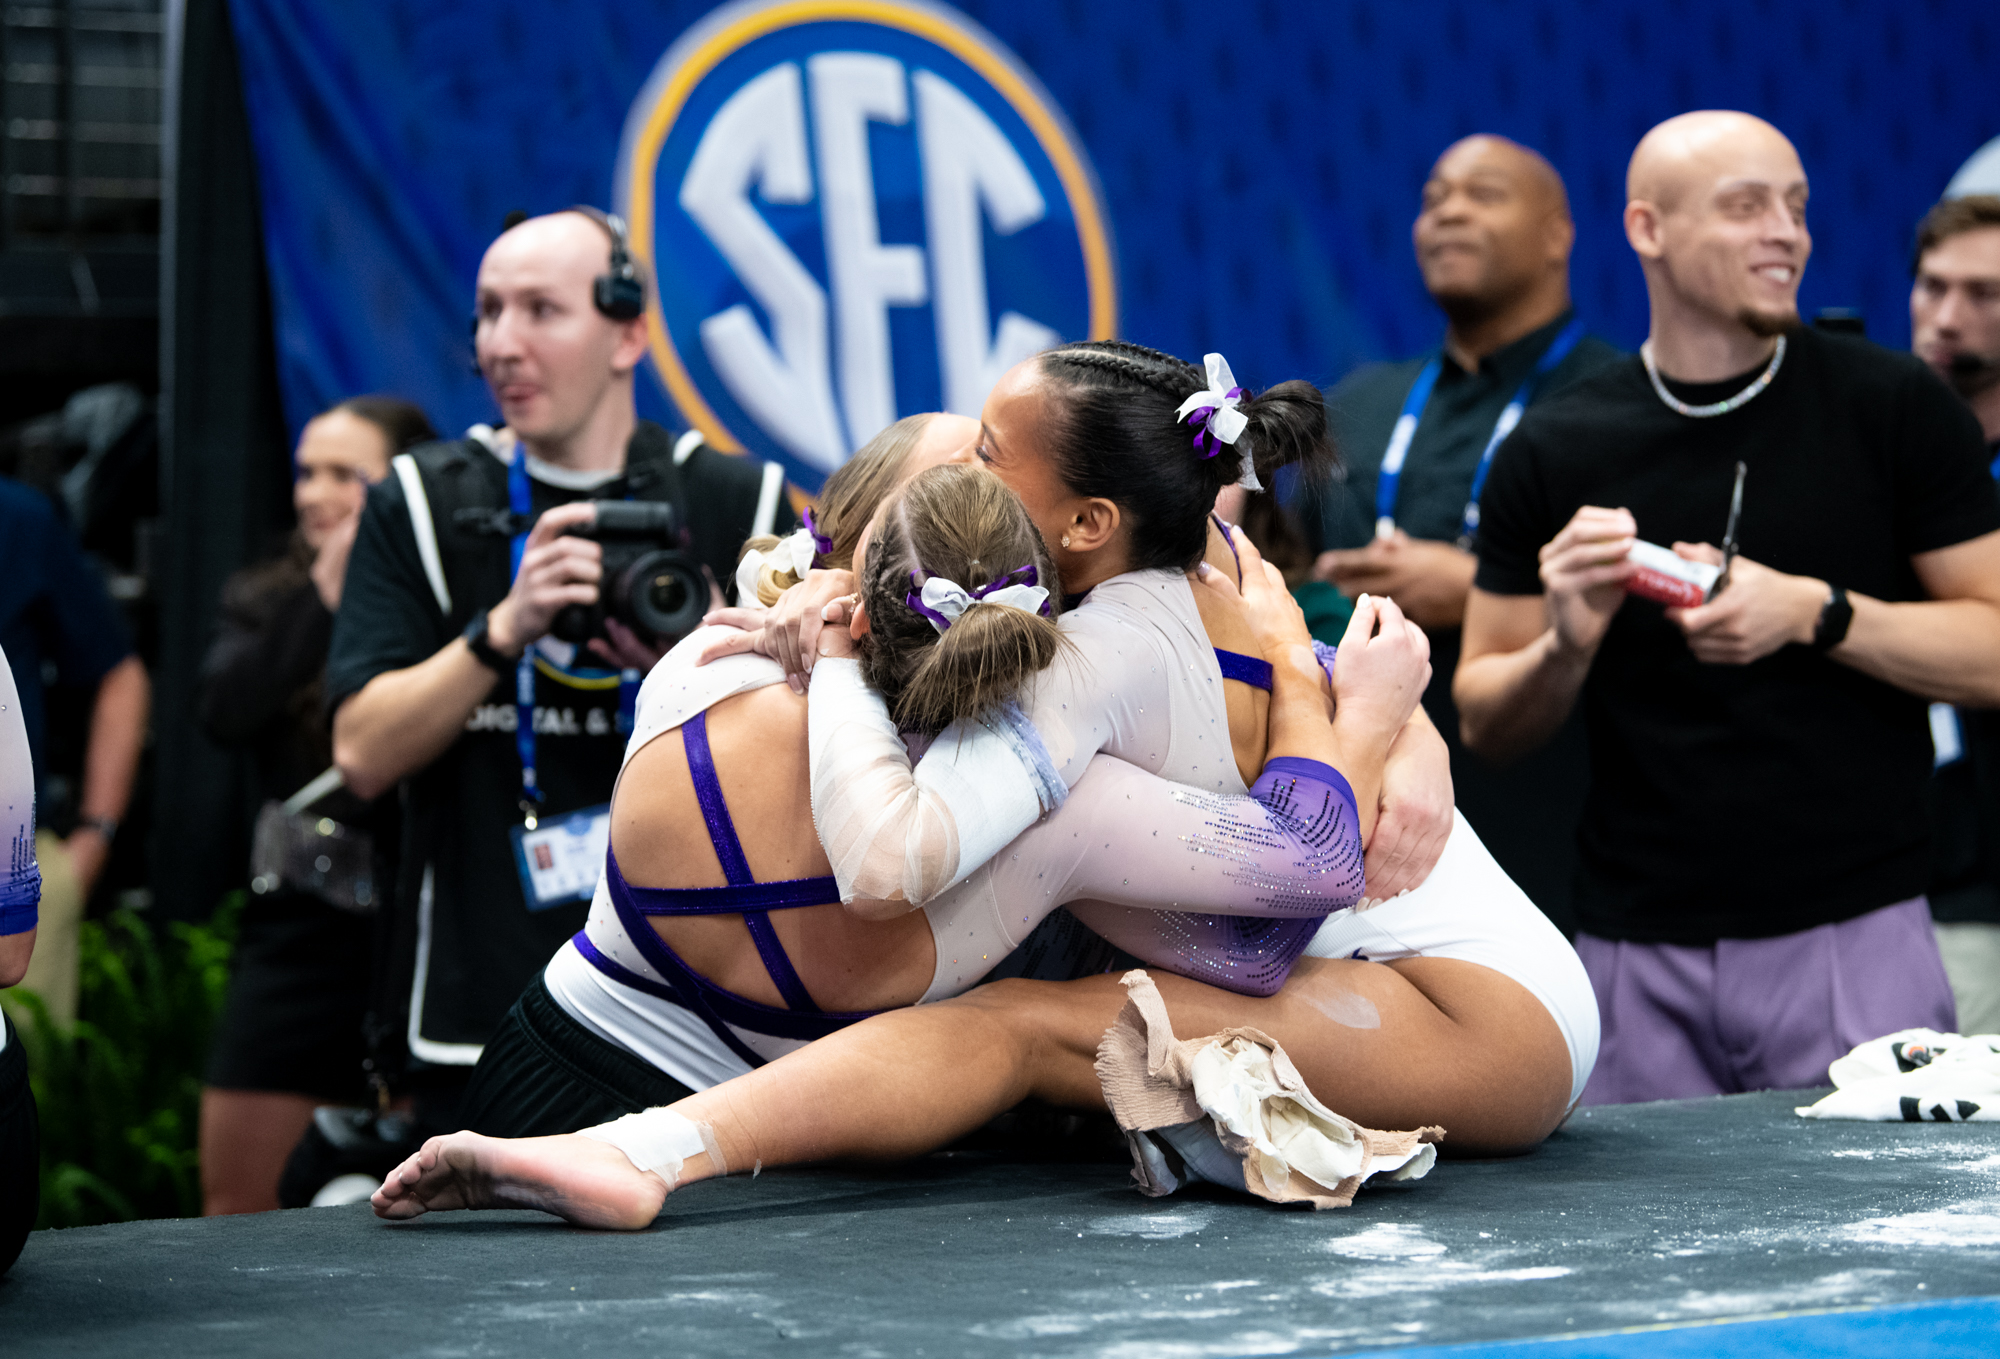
<point x="505" y="596"/>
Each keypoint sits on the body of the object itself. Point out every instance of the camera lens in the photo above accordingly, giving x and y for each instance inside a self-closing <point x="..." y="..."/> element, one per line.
<point x="665" y="594"/>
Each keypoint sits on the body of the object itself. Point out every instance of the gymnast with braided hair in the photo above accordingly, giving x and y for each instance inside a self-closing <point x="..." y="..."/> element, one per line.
<point x="1454" y="1003"/>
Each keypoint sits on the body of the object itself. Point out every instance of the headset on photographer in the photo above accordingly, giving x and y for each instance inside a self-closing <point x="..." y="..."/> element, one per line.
<point x="619" y="293"/>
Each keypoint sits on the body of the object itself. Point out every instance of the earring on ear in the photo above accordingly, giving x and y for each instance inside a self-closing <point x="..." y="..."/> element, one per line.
<point x="1065" y="540"/>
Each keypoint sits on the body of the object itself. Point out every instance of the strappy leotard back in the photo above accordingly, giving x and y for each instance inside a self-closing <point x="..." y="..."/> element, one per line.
<point x="1254" y="671"/>
<point x="744" y="896"/>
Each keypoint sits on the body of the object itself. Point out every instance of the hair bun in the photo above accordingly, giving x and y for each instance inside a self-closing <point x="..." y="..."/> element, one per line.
<point x="1288" y="429"/>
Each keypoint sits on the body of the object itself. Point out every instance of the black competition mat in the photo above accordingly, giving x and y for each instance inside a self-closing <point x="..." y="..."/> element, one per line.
<point x="1630" y="1217"/>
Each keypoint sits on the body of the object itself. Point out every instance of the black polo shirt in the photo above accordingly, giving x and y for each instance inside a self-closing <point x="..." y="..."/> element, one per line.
<point x="1964" y="801"/>
<point x="1451" y="434"/>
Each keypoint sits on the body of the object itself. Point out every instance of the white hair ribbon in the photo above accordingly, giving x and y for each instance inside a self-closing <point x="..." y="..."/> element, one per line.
<point x="1216" y="420"/>
<point x="792" y="553"/>
<point x="942" y="601"/>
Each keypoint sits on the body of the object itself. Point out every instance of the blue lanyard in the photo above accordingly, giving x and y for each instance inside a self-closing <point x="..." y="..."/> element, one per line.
<point x="1391" y="476"/>
<point x="520" y="499"/>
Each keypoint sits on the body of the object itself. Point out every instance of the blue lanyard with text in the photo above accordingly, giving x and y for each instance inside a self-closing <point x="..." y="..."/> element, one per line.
<point x="1391" y="476"/>
<point x="520" y="500"/>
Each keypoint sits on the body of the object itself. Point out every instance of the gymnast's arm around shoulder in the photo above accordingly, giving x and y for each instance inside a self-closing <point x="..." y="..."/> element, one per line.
<point x="1378" y="677"/>
<point x="1131" y="839"/>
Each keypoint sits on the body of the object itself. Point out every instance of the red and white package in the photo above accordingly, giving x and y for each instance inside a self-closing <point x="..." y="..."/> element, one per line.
<point x="1668" y="578"/>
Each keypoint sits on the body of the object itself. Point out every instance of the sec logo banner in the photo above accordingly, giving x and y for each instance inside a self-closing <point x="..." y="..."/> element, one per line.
<point x="853" y="210"/>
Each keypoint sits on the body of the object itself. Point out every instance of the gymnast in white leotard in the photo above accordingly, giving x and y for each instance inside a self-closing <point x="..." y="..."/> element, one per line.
<point x="1141" y="682"/>
<point x="1129" y="628"/>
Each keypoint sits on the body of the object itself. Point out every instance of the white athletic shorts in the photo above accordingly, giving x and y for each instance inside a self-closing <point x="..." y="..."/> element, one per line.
<point x="1469" y="909"/>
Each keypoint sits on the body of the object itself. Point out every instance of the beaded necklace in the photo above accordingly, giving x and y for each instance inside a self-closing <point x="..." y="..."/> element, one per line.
<point x="1742" y="398"/>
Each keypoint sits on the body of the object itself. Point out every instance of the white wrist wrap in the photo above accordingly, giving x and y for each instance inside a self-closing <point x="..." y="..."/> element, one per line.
<point x="659" y="1140"/>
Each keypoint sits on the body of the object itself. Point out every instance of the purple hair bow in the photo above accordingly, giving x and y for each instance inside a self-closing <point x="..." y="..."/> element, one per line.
<point x="1207" y="440"/>
<point x="822" y="543"/>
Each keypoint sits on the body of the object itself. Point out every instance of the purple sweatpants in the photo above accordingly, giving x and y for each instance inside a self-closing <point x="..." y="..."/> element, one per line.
<point x="1759" y="1014"/>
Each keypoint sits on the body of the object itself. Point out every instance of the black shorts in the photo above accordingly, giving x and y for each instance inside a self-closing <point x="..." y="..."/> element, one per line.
<point x="20" y="1149"/>
<point x="542" y="1073"/>
<point x="297" y="997"/>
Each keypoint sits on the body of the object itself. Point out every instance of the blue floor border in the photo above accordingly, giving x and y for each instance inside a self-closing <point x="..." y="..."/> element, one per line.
<point x="1957" y="1329"/>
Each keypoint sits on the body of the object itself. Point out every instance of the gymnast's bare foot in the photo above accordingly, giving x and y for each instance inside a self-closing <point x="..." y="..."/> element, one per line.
<point x="579" y="1179"/>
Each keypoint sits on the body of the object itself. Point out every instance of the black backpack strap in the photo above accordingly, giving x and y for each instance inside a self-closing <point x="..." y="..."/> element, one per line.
<point x="464" y="569"/>
<point x="733" y="497"/>
<point x="423" y="524"/>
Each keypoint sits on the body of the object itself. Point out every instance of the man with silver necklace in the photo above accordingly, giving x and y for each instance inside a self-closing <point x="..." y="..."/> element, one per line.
<point x="1754" y="849"/>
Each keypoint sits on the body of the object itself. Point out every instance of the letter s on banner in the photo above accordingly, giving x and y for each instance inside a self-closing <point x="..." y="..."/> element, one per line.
<point x="757" y="141"/>
<point x="835" y="199"/>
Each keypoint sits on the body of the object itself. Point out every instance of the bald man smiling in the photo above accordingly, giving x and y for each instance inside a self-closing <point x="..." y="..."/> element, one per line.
<point x="1492" y="240"/>
<point x="1754" y="848"/>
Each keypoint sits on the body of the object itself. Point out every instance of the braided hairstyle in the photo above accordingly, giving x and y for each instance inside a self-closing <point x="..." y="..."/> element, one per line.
<point x="961" y="522"/>
<point x="1112" y="433"/>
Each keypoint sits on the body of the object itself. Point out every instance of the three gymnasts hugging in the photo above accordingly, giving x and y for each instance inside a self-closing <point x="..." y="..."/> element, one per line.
<point x="1051" y="696"/>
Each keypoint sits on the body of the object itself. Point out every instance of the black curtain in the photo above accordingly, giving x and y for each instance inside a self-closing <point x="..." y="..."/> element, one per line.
<point x="225" y="469"/>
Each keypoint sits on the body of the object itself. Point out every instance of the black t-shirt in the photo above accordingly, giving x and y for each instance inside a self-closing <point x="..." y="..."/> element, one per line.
<point x="476" y="945"/>
<point x="1748" y="801"/>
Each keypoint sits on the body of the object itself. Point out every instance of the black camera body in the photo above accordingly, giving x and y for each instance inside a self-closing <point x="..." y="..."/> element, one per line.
<point x="651" y="583"/>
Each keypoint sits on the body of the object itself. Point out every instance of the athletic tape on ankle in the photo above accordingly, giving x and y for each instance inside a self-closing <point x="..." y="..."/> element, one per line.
<point x="716" y="1160"/>
<point x="658" y="1140"/>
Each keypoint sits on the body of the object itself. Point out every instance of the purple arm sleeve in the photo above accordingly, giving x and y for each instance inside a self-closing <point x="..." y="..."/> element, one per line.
<point x="20" y="875"/>
<point x="1313" y="807"/>
<point x="1225" y="889"/>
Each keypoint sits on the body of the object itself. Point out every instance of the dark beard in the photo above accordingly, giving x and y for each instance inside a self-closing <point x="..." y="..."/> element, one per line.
<point x="1468" y="311"/>
<point x="1970" y="374"/>
<point x="1766" y="324"/>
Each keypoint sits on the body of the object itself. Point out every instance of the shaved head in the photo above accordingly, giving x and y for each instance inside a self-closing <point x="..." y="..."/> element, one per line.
<point x="1689" y="151"/>
<point x="1529" y="170"/>
<point x="561" y="246"/>
<point x="1717" y="216"/>
<point x="1493" y="240"/>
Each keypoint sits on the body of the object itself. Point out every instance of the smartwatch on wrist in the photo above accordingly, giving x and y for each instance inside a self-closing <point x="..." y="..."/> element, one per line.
<point x="482" y="650"/>
<point x="1834" y="617"/>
